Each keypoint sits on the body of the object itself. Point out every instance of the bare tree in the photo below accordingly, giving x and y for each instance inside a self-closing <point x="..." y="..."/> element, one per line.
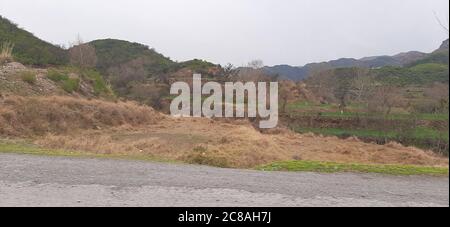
<point x="122" y="75"/>
<point x="83" y="54"/>
<point x="229" y="72"/>
<point x="443" y="26"/>
<point x="286" y="93"/>
<point x="438" y="94"/>
<point x="322" y="86"/>
<point x="256" y="64"/>
<point x="361" y="84"/>
<point x="384" y="98"/>
<point x="254" y="73"/>
<point x="151" y="94"/>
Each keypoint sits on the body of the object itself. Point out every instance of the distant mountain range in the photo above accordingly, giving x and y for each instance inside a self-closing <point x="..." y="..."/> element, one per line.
<point x="402" y="59"/>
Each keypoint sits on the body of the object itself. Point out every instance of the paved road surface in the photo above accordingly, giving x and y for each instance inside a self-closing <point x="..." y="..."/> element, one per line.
<point x="60" y="181"/>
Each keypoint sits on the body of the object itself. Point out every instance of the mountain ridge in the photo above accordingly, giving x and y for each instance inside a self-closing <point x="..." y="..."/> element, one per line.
<point x="410" y="58"/>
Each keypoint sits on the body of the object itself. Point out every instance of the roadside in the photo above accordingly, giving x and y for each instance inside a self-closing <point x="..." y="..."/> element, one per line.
<point x="293" y="166"/>
<point x="29" y="180"/>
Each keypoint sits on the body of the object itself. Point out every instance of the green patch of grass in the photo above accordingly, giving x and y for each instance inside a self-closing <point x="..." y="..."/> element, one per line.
<point x="349" y="114"/>
<point x="24" y="147"/>
<point x="329" y="167"/>
<point x="61" y="76"/>
<point x="70" y="85"/>
<point x="434" y="117"/>
<point x="28" y="76"/>
<point x="98" y="83"/>
<point x="307" y="105"/>
<point x="57" y="76"/>
<point x="429" y="133"/>
<point x="418" y="133"/>
<point x="347" y="132"/>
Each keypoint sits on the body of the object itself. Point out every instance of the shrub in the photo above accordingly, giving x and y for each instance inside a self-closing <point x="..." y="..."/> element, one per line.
<point x="28" y="77"/>
<point x="57" y="76"/>
<point x="97" y="81"/>
<point x="202" y="156"/>
<point x="206" y="159"/>
<point x="71" y="84"/>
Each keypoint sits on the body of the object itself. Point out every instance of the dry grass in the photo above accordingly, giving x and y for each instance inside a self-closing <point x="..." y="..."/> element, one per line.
<point x="6" y="52"/>
<point x="29" y="116"/>
<point x="202" y="141"/>
<point x="127" y="128"/>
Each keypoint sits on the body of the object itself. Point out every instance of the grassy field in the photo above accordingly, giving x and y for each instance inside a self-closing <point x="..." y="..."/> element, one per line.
<point x="354" y="111"/>
<point x="424" y="130"/>
<point x="418" y="133"/>
<point x="328" y="167"/>
<point x="347" y="115"/>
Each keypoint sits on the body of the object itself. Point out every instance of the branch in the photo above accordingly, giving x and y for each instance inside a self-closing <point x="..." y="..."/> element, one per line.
<point x="440" y="22"/>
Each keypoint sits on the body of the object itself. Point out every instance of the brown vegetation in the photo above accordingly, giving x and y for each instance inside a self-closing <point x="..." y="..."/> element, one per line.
<point x="203" y="141"/>
<point x="83" y="55"/>
<point x="6" y="52"/>
<point x="127" y="128"/>
<point x="29" y="116"/>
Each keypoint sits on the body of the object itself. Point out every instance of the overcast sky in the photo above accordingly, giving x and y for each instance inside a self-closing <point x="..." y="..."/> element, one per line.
<point x="292" y="32"/>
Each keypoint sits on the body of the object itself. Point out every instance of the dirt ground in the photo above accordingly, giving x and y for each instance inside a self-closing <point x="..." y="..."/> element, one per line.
<point x="234" y="144"/>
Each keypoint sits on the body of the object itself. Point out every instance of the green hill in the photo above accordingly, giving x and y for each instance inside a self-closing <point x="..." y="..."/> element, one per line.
<point x="197" y="65"/>
<point x="439" y="56"/>
<point x="421" y="74"/>
<point x="28" y="49"/>
<point x="113" y="53"/>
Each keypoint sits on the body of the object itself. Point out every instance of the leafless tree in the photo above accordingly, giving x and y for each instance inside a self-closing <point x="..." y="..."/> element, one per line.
<point x="120" y="76"/>
<point x="322" y="85"/>
<point x="83" y="54"/>
<point x="443" y="26"/>
<point x="438" y="94"/>
<point x="286" y="93"/>
<point x="256" y="64"/>
<point x="254" y="73"/>
<point x="361" y="84"/>
<point x="384" y="98"/>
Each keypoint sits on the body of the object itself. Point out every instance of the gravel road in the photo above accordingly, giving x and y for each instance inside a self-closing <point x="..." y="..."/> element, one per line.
<point x="60" y="181"/>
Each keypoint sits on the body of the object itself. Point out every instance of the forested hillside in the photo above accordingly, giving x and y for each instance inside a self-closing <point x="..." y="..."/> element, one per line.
<point x="28" y="49"/>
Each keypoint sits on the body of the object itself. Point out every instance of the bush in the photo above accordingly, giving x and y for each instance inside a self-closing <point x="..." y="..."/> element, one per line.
<point x="62" y="76"/>
<point x="68" y="84"/>
<point x="71" y="84"/>
<point x="97" y="81"/>
<point x="28" y="77"/>
<point x="57" y="76"/>
<point x="201" y="156"/>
